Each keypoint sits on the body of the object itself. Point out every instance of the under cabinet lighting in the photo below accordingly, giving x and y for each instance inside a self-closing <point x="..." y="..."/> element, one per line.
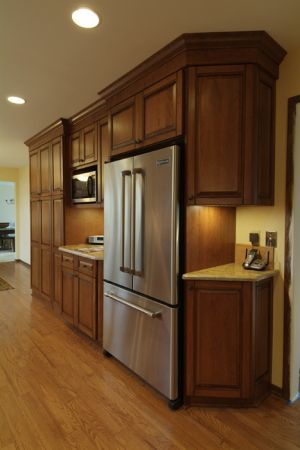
<point x="16" y="100"/>
<point x="85" y="18"/>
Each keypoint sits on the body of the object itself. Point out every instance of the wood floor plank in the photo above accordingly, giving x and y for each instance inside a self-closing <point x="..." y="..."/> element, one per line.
<point x="58" y="391"/>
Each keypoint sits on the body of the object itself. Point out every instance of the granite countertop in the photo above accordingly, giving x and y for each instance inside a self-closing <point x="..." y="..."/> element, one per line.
<point x="92" y="251"/>
<point x="229" y="272"/>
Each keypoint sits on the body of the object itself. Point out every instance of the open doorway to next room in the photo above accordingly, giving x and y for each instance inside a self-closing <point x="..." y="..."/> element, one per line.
<point x="7" y="220"/>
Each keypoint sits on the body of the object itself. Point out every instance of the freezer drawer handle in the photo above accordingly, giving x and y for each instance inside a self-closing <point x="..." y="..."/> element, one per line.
<point x="151" y="314"/>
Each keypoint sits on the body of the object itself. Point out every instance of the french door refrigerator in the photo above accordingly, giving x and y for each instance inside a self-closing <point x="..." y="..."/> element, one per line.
<point x="141" y="266"/>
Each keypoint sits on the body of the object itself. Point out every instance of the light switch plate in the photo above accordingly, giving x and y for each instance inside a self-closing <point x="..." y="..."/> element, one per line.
<point x="271" y="238"/>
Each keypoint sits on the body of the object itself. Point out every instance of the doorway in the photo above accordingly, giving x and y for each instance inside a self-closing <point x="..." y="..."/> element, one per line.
<point x="7" y="220"/>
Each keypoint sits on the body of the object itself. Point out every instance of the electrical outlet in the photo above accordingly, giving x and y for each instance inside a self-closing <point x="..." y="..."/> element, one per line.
<point x="254" y="237"/>
<point x="271" y="238"/>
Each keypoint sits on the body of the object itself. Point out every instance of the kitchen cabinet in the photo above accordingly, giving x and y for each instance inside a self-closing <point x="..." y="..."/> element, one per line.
<point x="228" y="342"/>
<point x="231" y="135"/>
<point x="83" y="146"/>
<point x="81" y="293"/>
<point x="46" y="156"/>
<point x="150" y="116"/>
<point x="104" y="155"/>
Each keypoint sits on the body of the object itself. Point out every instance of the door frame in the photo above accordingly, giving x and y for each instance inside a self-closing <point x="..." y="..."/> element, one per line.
<point x="292" y="103"/>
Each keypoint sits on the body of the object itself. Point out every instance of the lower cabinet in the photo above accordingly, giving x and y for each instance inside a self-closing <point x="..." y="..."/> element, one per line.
<point x="81" y="293"/>
<point x="228" y="342"/>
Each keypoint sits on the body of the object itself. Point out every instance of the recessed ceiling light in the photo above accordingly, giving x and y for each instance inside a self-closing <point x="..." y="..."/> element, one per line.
<point x="85" y="18"/>
<point x="16" y="100"/>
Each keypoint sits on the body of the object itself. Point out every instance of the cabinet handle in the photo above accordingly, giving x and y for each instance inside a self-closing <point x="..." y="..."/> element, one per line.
<point x="138" y="141"/>
<point x="86" y="265"/>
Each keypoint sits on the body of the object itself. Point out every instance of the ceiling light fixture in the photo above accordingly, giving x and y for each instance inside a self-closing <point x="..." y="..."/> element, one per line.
<point x="85" y="18"/>
<point x="16" y="100"/>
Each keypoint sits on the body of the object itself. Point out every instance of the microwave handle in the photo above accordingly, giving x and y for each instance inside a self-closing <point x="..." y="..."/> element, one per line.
<point x="90" y="186"/>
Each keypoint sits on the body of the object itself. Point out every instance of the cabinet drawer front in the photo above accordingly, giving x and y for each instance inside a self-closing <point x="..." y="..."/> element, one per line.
<point x="68" y="260"/>
<point x="87" y="266"/>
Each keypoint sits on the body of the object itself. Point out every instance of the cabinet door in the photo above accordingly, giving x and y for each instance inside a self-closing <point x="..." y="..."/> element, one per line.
<point x="46" y="223"/>
<point x="69" y="293"/>
<point x="162" y="110"/>
<point x="88" y="145"/>
<point x="218" y="345"/>
<point x="104" y="156"/>
<point x="57" y="166"/>
<point x="34" y="166"/>
<point x="57" y="282"/>
<point x="86" y="308"/>
<point x="216" y="113"/>
<point x="46" y="169"/>
<point x="36" y="268"/>
<point x="46" y="271"/>
<point x="58" y="222"/>
<point x="74" y="143"/>
<point x="123" y="127"/>
<point x="35" y="221"/>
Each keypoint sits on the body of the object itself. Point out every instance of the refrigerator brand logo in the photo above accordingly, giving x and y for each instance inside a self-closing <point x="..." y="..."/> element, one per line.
<point x="162" y="162"/>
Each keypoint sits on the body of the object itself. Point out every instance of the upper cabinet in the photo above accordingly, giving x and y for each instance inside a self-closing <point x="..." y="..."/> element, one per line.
<point x="46" y="161"/>
<point x="152" y="115"/>
<point x="231" y="135"/>
<point x="216" y="92"/>
<point x="83" y="146"/>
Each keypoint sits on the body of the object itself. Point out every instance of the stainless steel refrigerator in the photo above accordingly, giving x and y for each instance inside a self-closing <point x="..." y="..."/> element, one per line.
<point x="141" y="228"/>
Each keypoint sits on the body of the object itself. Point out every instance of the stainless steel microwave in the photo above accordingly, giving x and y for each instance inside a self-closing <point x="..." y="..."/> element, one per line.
<point x="84" y="186"/>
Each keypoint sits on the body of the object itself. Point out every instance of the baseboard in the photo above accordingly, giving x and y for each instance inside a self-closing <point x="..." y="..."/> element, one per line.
<point x="276" y="390"/>
<point x="23" y="262"/>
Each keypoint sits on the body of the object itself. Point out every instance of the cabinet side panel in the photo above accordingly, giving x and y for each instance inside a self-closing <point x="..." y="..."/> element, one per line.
<point x="263" y="328"/>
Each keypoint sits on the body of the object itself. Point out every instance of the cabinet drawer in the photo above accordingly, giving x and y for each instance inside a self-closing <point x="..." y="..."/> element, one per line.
<point x="68" y="260"/>
<point x="87" y="266"/>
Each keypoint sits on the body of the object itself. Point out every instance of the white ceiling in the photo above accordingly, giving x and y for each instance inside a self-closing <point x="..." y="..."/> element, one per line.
<point x="59" y="68"/>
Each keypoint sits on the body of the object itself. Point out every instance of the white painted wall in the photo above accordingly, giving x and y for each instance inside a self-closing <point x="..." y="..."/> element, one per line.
<point x="7" y="202"/>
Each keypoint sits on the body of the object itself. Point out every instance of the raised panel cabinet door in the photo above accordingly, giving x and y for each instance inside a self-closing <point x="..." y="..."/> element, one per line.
<point x="162" y="109"/>
<point x="58" y="222"/>
<point x="88" y="149"/>
<point x="34" y="167"/>
<point x="74" y="144"/>
<point x="36" y="267"/>
<point x="69" y="293"/>
<point x="46" y="169"/>
<point x="57" y="166"/>
<point x="216" y="132"/>
<point x="104" y="155"/>
<point x="122" y="125"/>
<point x="46" y="272"/>
<point x="57" y="282"/>
<point x="86" y="305"/>
<point x="216" y="325"/>
<point x="35" y="221"/>
<point x="46" y="222"/>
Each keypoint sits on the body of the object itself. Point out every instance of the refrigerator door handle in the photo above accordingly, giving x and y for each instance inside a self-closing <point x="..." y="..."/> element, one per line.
<point x="148" y="313"/>
<point x="123" y="267"/>
<point x="137" y="229"/>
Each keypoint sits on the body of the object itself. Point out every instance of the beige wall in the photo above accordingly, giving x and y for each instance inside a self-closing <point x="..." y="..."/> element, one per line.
<point x="273" y="218"/>
<point x="21" y="178"/>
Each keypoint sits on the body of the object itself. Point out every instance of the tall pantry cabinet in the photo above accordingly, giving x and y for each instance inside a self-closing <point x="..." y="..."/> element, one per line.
<point x="46" y="163"/>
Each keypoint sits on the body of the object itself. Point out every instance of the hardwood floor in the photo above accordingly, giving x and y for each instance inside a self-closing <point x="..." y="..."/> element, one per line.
<point x="57" y="391"/>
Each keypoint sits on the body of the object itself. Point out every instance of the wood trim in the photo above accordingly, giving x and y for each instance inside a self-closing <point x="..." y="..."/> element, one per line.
<point x="276" y="390"/>
<point x="292" y="102"/>
<point x="54" y="130"/>
<point x="195" y="48"/>
<point x="20" y="261"/>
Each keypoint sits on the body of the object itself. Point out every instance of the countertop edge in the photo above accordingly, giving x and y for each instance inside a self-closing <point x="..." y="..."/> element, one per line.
<point x="203" y="275"/>
<point x="82" y="254"/>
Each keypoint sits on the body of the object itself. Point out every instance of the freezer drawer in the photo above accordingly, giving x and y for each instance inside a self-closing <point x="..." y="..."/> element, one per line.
<point x="142" y="334"/>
